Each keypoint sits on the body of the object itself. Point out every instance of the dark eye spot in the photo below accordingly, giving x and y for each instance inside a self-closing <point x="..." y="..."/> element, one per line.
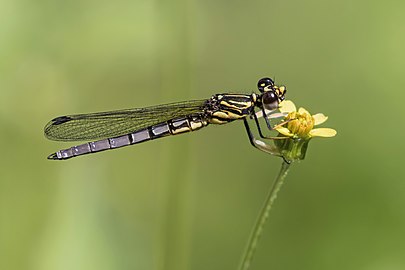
<point x="270" y="100"/>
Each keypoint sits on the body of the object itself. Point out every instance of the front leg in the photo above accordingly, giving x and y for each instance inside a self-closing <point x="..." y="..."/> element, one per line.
<point x="266" y="119"/>
<point x="275" y="127"/>
<point x="267" y="148"/>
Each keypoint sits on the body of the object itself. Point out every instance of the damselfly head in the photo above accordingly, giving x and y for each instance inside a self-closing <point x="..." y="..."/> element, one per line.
<point x="272" y="94"/>
<point x="265" y="84"/>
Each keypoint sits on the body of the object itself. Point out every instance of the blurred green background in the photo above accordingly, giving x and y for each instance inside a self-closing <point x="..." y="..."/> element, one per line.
<point x="190" y="201"/>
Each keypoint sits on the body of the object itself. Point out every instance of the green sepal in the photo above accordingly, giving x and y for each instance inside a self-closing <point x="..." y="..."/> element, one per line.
<point x="292" y="149"/>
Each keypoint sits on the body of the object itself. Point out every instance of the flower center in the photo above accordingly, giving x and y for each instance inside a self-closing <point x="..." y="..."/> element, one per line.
<point x="300" y="123"/>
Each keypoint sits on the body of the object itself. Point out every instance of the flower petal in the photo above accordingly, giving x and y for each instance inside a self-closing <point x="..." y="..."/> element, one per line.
<point x="303" y="111"/>
<point x="277" y="115"/>
<point x="287" y="106"/>
<point x="322" y="132"/>
<point x="270" y="114"/>
<point x="319" y="118"/>
<point x="285" y="131"/>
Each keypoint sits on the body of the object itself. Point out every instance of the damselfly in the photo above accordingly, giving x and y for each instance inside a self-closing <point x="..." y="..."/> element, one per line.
<point x="116" y="129"/>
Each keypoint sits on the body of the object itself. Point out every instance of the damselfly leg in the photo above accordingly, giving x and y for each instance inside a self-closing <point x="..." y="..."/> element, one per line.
<point x="256" y="116"/>
<point x="261" y="145"/>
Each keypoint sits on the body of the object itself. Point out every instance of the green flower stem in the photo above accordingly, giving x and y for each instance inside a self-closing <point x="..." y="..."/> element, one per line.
<point x="264" y="214"/>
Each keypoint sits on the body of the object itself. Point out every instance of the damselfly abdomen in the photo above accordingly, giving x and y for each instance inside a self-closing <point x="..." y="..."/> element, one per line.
<point x="115" y="129"/>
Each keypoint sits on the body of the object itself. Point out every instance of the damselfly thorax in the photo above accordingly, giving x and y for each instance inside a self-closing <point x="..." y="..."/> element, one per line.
<point x="114" y="129"/>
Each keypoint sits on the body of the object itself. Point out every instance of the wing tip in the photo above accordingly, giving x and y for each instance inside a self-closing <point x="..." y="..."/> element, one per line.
<point x="48" y="129"/>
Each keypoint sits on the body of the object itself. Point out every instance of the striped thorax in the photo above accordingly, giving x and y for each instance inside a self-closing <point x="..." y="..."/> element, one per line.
<point x="225" y="108"/>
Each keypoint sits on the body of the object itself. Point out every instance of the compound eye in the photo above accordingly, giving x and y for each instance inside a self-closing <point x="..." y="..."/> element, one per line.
<point x="270" y="100"/>
<point x="263" y="83"/>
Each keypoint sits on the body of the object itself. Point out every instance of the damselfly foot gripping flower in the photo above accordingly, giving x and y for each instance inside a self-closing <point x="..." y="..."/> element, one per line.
<point x="295" y="132"/>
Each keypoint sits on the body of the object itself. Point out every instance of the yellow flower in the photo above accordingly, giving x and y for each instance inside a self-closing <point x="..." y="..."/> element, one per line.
<point x="297" y="130"/>
<point x="300" y="124"/>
